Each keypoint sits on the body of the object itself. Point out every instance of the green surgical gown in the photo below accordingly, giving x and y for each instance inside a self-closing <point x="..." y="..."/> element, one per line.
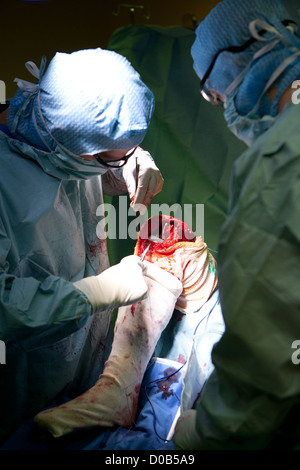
<point x="256" y="382"/>
<point x="48" y="221"/>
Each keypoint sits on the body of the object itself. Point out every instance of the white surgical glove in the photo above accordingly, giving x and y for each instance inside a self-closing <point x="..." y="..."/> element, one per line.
<point x="164" y="278"/>
<point x="143" y="179"/>
<point x="122" y="284"/>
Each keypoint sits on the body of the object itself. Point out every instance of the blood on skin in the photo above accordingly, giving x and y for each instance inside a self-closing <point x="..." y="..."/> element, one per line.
<point x="181" y="359"/>
<point x="174" y="233"/>
<point x="171" y="230"/>
<point x="135" y="306"/>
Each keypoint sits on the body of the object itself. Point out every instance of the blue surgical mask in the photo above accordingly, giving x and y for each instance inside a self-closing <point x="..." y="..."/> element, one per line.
<point x="250" y="126"/>
<point x="247" y="128"/>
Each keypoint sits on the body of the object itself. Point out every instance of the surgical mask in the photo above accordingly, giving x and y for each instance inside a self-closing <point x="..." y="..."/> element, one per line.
<point x="246" y="128"/>
<point x="250" y="126"/>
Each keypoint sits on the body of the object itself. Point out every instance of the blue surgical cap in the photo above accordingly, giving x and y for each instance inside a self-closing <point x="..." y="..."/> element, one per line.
<point x="89" y="101"/>
<point x="228" y="25"/>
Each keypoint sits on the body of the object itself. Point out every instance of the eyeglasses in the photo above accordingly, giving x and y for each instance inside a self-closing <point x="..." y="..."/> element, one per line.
<point x="212" y="97"/>
<point x="115" y="163"/>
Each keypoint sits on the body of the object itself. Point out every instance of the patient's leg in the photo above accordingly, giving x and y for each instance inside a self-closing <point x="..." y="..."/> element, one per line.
<point x="113" y="399"/>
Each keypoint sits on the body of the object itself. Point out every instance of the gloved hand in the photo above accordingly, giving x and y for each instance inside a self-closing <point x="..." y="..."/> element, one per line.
<point x="164" y="278"/>
<point x="143" y="179"/>
<point x="122" y="284"/>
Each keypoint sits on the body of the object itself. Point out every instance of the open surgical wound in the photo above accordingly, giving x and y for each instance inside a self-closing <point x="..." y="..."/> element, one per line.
<point x="182" y="254"/>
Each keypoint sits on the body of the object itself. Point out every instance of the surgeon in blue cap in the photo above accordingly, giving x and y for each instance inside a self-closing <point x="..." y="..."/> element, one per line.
<point x="65" y="140"/>
<point x="247" y="56"/>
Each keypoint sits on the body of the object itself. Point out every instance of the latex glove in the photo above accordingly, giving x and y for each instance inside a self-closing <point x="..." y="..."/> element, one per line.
<point x="186" y="436"/>
<point x="143" y="179"/>
<point x="122" y="284"/>
<point x="166" y="279"/>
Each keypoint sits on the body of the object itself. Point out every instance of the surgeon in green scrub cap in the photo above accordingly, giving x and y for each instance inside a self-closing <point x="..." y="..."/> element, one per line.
<point x="66" y="140"/>
<point x="247" y="56"/>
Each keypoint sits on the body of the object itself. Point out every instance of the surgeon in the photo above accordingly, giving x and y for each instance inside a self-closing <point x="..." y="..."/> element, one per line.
<point x="247" y="56"/>
<point x="64" y="141"/>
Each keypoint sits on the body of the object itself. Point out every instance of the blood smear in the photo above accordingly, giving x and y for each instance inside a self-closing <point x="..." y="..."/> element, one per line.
<point x="171" y="230"/>
<point x="174" y="233"/>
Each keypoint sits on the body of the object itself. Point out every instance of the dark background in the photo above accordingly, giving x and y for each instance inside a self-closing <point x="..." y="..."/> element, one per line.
<point x="30" y="29"/>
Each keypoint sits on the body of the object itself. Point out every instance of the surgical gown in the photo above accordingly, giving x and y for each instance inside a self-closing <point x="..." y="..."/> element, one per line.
<point x="54" y="343"/>
<point x="256" y="383"/>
